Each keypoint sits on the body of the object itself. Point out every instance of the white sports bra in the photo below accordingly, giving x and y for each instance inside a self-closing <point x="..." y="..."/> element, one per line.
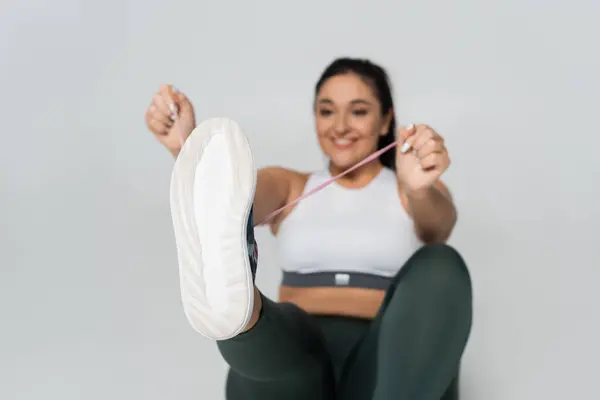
<point x="347" y="237"/>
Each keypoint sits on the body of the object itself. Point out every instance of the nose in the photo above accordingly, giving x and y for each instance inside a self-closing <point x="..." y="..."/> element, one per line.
<point x="341" y="124"/>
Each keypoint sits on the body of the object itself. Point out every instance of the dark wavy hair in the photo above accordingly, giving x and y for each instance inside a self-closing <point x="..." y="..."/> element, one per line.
<point x="377" y="78"/>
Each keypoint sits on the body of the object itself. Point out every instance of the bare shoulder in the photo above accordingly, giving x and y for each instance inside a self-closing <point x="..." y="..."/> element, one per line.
<point x="287" y="176"/>
<point x="295" y="182"/>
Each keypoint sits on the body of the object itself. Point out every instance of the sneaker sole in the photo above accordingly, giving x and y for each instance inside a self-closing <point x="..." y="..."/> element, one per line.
<point x="211" y="195"/>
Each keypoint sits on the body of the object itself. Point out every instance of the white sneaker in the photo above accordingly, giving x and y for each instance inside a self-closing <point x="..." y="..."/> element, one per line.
<point x="212" y="194"/>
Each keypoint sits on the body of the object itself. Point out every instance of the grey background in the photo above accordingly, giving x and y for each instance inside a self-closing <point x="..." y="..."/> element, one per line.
<point x="89" y="299"/>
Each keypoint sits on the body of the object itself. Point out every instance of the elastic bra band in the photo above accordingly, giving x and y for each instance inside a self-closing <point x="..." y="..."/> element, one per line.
<point x="336" y="279"/>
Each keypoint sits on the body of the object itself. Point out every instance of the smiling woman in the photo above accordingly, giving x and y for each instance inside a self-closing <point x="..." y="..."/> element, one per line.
<point x="354" y="105"/>
<point x="373" y="304"/>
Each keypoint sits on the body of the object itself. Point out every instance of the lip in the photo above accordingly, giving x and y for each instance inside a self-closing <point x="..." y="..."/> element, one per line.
<point x="344" y="143"/>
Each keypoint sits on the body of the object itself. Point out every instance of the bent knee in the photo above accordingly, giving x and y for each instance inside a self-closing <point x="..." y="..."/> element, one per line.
<point x="441" y="265"/>
<point x="440" y="254"/>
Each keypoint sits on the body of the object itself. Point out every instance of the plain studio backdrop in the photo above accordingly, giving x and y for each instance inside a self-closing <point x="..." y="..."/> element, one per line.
<point x="89" y="296"/>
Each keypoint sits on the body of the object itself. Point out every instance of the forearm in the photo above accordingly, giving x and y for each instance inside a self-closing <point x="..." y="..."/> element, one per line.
<point x="433" y="213"/>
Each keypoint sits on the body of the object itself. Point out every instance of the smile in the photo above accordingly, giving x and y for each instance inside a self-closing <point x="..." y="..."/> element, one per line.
<point x="343" y="143"/>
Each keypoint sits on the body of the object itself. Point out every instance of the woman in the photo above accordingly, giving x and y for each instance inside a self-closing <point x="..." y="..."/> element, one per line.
<point x="373" y="304"/>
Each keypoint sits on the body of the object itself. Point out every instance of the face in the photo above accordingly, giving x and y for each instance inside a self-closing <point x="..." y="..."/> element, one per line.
<point x="349" y="120"/>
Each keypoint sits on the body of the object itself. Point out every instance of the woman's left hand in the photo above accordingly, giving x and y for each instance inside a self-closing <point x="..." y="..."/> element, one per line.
<point x="421" y="157"/>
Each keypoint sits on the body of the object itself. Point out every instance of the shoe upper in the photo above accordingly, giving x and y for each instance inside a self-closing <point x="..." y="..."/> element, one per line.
<point x="252" y="245"/>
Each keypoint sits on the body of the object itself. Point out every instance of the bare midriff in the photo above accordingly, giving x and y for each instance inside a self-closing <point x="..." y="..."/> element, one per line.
<point x="349" y="302"/>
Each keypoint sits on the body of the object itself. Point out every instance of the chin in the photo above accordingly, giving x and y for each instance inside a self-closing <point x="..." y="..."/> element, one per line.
<point x="343" y="161"/>
<point x="347" y="155"/>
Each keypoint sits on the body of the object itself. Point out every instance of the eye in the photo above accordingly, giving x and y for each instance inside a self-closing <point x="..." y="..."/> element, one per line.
<point x="360" y="112"/>
<point x="325" y="112"/>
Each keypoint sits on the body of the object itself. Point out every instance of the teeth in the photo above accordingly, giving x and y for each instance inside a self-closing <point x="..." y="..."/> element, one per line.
<point x="343" y="141"/>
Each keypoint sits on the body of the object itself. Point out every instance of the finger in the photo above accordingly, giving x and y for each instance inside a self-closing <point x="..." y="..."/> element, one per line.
<point x="181" y="100"/>
<point x="157" y="127"/>
<point x="429" y="147"/>
<point x="168" y="92"/>
<point x="406" y="131"/>
<point x="162" y="106"/>
<point x="155" y="113"/>
<point x="423" y="135"/>
<point x="434" y="160"/>
<point x="406" y="135"/>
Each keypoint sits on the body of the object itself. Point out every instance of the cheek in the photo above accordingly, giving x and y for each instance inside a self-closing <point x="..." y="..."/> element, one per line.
<point x="369" y="130"/>
<point x="323" y="126"/>
<point x="368" y="126"/>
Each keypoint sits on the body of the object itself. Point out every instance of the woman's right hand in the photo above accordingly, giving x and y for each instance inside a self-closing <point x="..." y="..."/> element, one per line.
<point x="170" y="117"/>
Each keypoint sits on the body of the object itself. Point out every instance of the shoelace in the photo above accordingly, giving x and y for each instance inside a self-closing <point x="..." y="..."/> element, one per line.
<point x="316" y="189"/>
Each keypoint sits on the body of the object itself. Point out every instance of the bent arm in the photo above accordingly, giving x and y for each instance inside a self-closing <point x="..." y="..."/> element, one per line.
<point x="272" y="191"/>
<point x="433" y="213"/>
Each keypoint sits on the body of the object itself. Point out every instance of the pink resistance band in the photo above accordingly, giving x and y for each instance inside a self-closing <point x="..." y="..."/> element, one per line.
<point x="328" y="182"/>
<point x="317" y="188"/>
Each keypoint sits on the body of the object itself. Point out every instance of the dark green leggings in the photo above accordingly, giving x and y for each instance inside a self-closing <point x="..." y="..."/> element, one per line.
<point x="411" y="350"/>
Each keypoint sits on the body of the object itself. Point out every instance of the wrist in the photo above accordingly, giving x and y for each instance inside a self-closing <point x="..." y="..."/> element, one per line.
<point x="418" y="193"/>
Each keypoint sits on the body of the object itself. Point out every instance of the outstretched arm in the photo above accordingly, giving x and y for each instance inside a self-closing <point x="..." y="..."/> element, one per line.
<point x="421" y="160"/>
<point x="433" y="213"/>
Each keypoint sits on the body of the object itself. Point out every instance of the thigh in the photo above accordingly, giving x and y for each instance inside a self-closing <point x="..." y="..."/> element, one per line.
<point x="283" y="356"/>
<point x="306" y="386"/>
<point x="360" y="373"/>
<point x="414" y="346"/>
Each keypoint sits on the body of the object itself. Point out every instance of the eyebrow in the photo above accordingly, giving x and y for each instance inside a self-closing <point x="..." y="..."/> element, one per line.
<point x="353" y="102"/>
